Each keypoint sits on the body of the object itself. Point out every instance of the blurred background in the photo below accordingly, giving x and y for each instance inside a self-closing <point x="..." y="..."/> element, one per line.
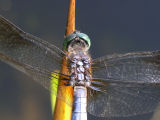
<point x="114" y="26"/>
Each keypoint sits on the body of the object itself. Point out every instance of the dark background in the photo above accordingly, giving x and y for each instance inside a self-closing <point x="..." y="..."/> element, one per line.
<point x="114" y="26"/>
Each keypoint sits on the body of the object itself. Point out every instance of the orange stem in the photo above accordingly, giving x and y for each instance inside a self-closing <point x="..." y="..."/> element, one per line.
<point x="63" y="109"/>
<point x="70" y="27"/>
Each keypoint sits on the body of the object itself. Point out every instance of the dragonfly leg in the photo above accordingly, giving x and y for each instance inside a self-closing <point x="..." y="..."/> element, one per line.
<point x="67" y="84"/>
<point x="71" y="83"/>
<point x="98" y="83"/>
<point x="97" y="88"/>
<point x="66" y="79"/>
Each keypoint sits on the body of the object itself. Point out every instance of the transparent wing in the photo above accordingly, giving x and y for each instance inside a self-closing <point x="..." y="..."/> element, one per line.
<point x="131" y="84"/>
<point x="123" y="100"/>
<point x="136" y="67"/>
<point x="29" y="54"/>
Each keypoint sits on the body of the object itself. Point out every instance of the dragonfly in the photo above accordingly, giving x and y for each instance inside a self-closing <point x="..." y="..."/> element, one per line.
<point x="117" y="85"/>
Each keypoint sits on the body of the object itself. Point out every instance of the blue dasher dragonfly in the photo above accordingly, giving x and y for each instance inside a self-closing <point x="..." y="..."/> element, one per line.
<point x="120" y="85"/>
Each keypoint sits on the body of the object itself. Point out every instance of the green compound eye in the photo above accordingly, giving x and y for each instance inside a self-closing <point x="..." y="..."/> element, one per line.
<point x="72" y="36"/>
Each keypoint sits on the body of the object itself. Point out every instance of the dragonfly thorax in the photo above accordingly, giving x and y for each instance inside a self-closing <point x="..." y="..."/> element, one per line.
<point x="79" y="70"/>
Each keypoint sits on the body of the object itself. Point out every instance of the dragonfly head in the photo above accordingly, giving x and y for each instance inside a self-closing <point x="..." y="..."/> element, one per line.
<point x="77" y="40"/>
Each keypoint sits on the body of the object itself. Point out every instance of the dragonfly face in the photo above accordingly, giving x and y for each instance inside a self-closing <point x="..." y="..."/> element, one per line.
<point x="77" y="40"/>
<point x="121" y="85"/>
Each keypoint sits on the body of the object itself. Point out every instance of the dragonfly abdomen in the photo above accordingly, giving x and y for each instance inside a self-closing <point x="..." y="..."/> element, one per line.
<point x="80" y="103"/>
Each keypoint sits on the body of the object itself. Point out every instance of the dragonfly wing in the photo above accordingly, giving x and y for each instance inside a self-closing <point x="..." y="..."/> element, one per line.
<point x="40" y="75"/>
<point x="47" y="79"/>
<point x="138" y="67"/>
<point x="131" y="84"/>
<point x="123" y="100"/>
<point x="28" y="53"/>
